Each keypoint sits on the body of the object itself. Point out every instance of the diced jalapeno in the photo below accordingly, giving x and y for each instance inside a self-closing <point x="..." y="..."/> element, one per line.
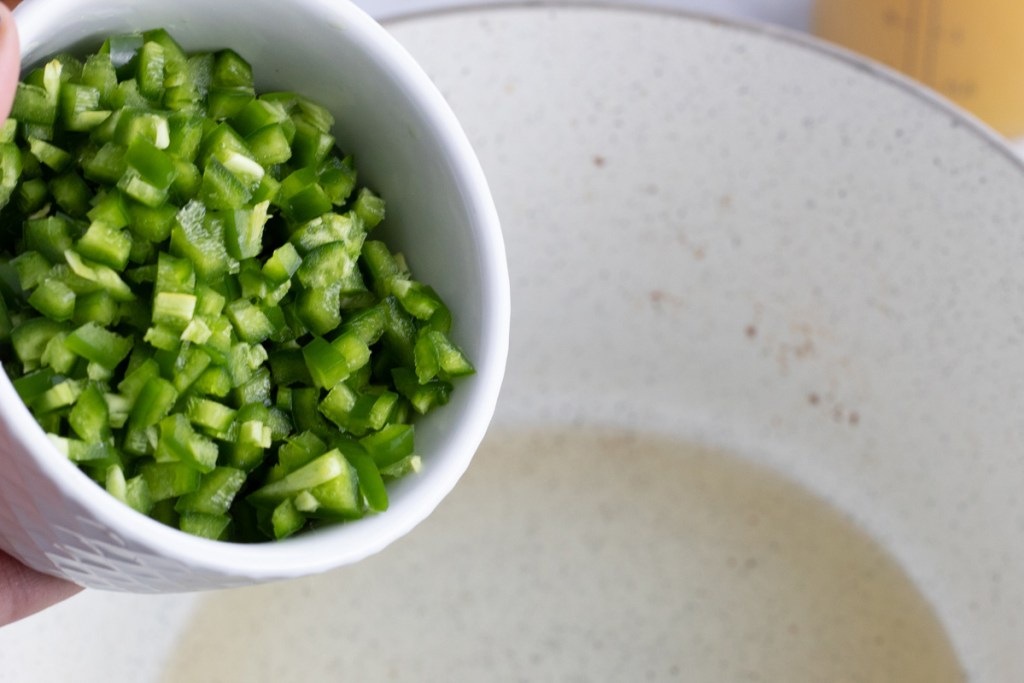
<point x="189" y="304"/>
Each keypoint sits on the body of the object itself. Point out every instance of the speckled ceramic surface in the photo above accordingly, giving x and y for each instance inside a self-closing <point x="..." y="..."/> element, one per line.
<point x="762" y="415"/>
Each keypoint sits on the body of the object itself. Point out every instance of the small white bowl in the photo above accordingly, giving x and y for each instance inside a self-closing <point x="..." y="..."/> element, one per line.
<point x="409" y="147"/>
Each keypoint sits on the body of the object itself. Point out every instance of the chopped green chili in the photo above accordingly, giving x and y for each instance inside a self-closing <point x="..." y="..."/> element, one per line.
<point x="189" y="303"/>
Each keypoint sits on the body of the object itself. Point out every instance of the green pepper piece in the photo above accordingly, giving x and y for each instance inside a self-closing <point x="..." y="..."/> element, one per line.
<point x="99" y="345"/>
<point x="122" y="50"/>
<point x="179" y="442"/>
<point x="231" y="70"/>
<point x="168" y="480"/>
<point x="212" y="527"/>
<point x="71" y="193"/>
<point x="105" y="244"/>
<point x="98" y="73"/>
<point x="90" y="417"/>
<point x="389" y="445"/>
<point x="10" y="170"/>
<point x="320" y="470"/>
<point x="286" y="519"/>
<point x="150" y="71"/>
<point x="32" y="385"/>
<point x="54" y="299"/>
<point x="370" y="482"/>
<point x="370" y="208"/>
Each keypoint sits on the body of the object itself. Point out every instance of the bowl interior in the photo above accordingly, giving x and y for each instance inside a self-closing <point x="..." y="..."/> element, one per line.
<point x="777" y="250"/>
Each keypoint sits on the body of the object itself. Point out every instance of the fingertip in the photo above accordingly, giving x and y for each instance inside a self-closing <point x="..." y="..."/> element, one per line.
<point x="24" y="591"/>
<point x="10" y="60"/>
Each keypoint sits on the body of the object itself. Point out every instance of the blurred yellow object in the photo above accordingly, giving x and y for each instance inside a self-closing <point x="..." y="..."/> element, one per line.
<point x="971" y="51"/>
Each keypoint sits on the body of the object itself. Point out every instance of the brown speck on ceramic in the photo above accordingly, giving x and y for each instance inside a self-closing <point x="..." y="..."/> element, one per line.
<point x="804" y="349"/>
<point x="660" y="297"/>
<point x="697" y="251"/>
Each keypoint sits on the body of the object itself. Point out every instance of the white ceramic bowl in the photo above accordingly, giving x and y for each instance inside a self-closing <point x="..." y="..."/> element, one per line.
<point x="440" y="214"/>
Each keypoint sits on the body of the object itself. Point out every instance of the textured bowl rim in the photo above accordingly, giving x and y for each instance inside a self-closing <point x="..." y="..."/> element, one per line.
<point x="326" y="548"/>
<point x="778" y="32"/>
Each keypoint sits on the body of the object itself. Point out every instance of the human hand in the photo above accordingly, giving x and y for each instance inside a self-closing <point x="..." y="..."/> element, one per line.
<point x="9" y="58"/>
<point x="23" y="591"/>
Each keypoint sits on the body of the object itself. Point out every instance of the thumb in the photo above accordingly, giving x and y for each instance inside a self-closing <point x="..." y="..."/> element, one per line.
<point x="10" y="61"/>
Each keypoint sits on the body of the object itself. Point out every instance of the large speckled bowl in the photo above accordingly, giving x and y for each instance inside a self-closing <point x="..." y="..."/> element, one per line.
<point x="762" y="420"/>
<point x="440" y="214"/>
